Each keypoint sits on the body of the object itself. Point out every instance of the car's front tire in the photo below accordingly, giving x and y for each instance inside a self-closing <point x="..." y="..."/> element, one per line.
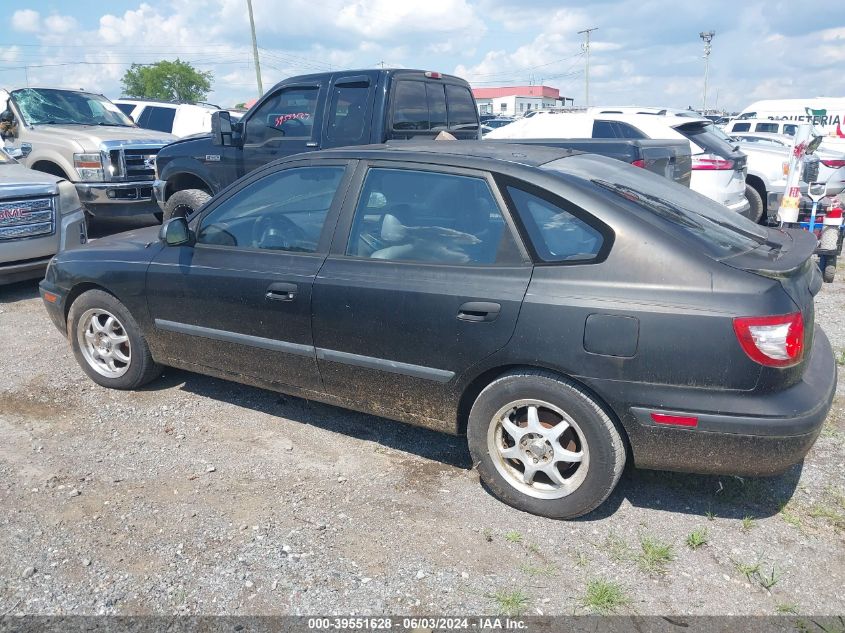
<point x="755" y="201"/>
<point x="184" y="203"/>
<point x="543" y="445"/>
<point x="108" y="343"/>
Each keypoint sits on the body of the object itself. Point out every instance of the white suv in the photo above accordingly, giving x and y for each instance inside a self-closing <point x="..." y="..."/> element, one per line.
<point x="718" y="169"/>
<point x="180" y="119"/>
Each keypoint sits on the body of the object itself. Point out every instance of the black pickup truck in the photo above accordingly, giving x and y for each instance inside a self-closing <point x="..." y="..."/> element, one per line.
<point x="351" y="107"/>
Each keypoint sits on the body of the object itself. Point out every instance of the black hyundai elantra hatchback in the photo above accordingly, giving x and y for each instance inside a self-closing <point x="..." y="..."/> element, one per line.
<point x="565" y="311"/>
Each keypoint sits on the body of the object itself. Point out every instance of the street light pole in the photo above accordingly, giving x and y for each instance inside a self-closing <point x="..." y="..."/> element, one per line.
<point x="586" y="45"/>
<point x="707" y="38"/>
<point x="255" y="49"/>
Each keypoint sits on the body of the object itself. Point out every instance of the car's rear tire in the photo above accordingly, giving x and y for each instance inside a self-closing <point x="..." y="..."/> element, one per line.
<point x="108" y="343"/>
<point x="570" y="443"/>
<point x="183" y="203"/>
<point x="755" y="213"/>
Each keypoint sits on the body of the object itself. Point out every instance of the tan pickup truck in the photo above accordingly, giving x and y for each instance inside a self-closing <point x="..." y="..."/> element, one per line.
<point x="85" y="139"/>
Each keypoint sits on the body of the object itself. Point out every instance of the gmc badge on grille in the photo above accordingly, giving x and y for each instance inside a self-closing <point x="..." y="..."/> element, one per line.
<point x="210" y="158"/>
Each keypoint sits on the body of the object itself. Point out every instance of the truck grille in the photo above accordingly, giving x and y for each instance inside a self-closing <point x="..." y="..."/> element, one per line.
<point x="134" y="163"/>
<point x="26" y="218"/>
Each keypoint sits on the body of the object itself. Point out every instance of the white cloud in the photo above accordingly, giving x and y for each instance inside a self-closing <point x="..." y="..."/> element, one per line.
<point x="60" y="24"/>
<point x="26" y="20"/>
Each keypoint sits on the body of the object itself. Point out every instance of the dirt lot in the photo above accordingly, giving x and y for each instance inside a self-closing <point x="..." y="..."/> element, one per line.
<point x="201" y="496"/>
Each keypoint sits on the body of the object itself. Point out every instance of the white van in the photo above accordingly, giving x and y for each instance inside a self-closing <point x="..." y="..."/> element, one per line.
<point x="827" y="114"/>
<point x="179" y="119"/>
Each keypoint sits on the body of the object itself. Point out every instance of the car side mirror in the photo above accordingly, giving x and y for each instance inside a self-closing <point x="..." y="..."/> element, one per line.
<point x="175" y="232"/>
<point x="221" y="128"/>
<point x="7" y="124"/>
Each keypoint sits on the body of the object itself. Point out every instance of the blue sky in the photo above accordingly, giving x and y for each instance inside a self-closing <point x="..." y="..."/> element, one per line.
<point x="644" y="52"/>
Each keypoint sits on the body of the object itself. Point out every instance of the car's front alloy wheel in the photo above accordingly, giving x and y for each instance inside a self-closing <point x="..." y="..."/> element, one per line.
<point x="104" y="343"/>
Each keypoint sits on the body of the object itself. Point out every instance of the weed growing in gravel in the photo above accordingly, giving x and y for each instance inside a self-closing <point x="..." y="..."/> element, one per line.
<point x="488" y="535"/>
<point x="511" y="602"/>
<point x="789" y="516"/>
<point x="711" y="516"/>
<point x="604" y="596"/>
<point x="533" y="548"/>
<point x="767" y="582"/>
<point x="786" y="608"/>
<point x="748" y="524"/>
<point x="840" y="360"/>
<point x="513" y="537"/>
<point x="655" y="555"/>
<point x="830" y="514"/>
<point x="538" y="570"/>
<point x="616" y="548"/>
<point x="581" y="559"/>
<point x="697" y="538"/>
<point x="749" y="570"/>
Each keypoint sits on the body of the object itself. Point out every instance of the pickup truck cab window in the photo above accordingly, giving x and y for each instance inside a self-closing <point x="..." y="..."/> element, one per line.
<point x="347" y="112"/>
<point x="287" y="114"/>
<point x="426" y="216"/>
<point x="283" y="211"/>
<point x="462" y="112"/>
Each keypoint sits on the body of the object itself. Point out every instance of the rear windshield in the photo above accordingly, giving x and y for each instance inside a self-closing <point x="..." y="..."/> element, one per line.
<point x="691" y="216"/>
<point x="708" y="137"/>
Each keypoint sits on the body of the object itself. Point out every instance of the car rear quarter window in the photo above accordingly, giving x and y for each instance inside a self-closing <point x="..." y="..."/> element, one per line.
<point x="462" y="112"/>
<point x="707" y="137"/>
<point x="741" y="127"/>
<point x="556" y="233"/>
<point x="410" y="106"/>
<point x="429" y="217"/>
<point x="615" y="129"/>
<point x="766" y="127"/>
<point x="283" y="211"/>
<point x="156" y="118"/>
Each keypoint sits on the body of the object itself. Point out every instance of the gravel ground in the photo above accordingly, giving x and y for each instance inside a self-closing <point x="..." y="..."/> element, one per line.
<point x="196" y="495"/>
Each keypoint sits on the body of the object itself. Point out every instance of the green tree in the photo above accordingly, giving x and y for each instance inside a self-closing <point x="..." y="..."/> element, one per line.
<point x="171" y="81"/>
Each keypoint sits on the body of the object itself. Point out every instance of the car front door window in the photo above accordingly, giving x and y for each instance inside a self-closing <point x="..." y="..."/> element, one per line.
<point x="283" y="211"/>
<point x="287" y="114"/>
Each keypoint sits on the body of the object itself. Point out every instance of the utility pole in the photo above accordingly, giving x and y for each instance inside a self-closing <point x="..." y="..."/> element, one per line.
<point x="586" y="47"/>
<point x="255" y="50"/>
<point x="707" y="38"/>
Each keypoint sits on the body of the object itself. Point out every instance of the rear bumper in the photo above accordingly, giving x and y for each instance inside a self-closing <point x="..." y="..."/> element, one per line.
<point x="737" y="433"/>
<point x="113" y="199"/>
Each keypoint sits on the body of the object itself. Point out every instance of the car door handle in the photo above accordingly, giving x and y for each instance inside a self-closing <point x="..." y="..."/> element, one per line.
<point x="479" y="311"/>
<point x="281" y="291"/>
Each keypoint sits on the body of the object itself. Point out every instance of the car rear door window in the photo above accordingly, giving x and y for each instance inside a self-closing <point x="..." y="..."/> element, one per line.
<point x="556" y="233"/>
<point x="347" y="112"/>
<point x="462" y="112"/>
<point x="425" y="216"/>
<point x="287" y="114"/>
<point x="160" y="119"/>
<point x="283" y="211"/>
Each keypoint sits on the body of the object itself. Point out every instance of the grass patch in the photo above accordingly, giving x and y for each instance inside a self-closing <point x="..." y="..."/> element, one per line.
<point x="655" y="555"/>
<point x="787" y="608"/>
<point x="511" y="602"/>
<point x="513" y="537"/>
<point x="533" y="548"/>
<point x="697" y="538"/>
<point x="603" y="596"/>
<point x="711" y="516"/>
<point x="840" y="359"/>
<point x="748" y="524"/>
<point x="789" y="516"/>
<point x="616" y="548"/>
<point x="829" y="513"/>
<point x="768" y="581"/>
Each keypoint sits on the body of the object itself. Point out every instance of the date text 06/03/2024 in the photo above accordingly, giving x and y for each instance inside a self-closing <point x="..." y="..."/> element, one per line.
<point x="416" y="623"/>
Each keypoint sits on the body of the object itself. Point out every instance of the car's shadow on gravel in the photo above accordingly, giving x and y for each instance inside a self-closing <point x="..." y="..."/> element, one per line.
<point x="708" y="496"/>
<point x="20" y="291"/>
<point x="432" y="445"/>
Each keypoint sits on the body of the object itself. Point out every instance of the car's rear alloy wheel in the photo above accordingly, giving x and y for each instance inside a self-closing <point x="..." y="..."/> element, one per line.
<point x="538" y="448"/>
<point x="108" y="343"/>
<point x="543" y="444"/>
<point x="104" y="342"/>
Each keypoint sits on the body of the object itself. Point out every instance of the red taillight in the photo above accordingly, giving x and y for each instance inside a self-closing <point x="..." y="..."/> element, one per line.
<point x="834" y="164"/>
<point x="711" y="162"/>
<point x="834" y="214"/>
<point x="775" y="341"/>
<point x="674" y="420"/>
<point x="639" y="163"/>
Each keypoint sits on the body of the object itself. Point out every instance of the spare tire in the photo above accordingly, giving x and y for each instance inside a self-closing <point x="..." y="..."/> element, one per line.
<point x="755" y="213"/>
<point x="184" y="203"/>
